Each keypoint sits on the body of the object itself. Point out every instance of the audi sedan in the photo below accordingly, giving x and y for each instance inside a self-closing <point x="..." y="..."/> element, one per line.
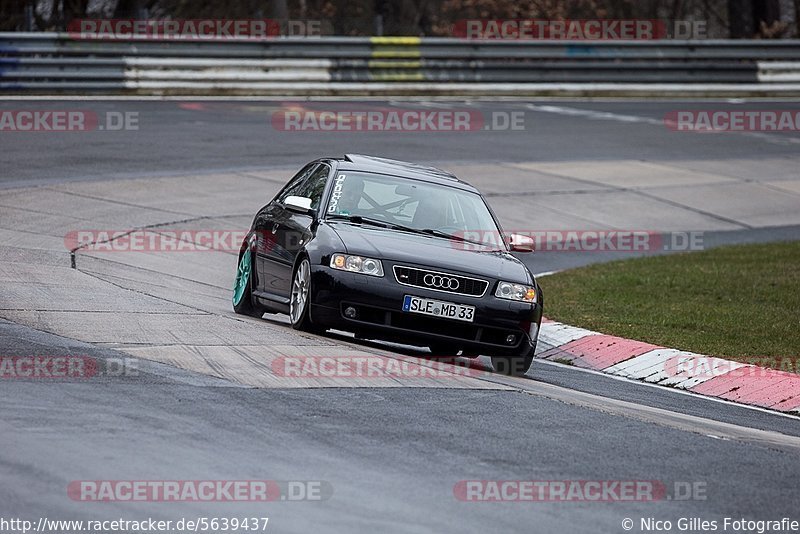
<point x="393" y="251"/>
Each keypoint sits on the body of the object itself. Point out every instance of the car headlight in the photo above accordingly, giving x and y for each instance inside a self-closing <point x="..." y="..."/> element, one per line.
<point x="357" y="264"/>
<point x="522" y="293"/>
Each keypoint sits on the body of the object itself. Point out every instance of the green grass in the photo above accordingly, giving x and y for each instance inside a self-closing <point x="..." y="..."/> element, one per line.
<point x="737" y="302"/>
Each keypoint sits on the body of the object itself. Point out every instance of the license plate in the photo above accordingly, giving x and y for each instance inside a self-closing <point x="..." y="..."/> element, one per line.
<point x="437" y="308"/>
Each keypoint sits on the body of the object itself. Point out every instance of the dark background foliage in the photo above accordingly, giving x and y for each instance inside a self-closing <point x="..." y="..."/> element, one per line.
<point x="767" y="19"/>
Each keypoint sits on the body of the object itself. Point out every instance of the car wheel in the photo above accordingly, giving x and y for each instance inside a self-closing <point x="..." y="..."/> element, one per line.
<point x="242" y="287"/>
<point x="514" y="365"/>
<point x="299" y="305"/>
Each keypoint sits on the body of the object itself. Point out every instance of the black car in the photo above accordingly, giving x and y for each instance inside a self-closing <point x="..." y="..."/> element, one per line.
<point x="395" y="251"/>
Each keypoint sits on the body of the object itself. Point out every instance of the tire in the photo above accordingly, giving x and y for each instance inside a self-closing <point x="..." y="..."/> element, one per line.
<point x="299" y="298"/>
<point x="242" y="287"/>
<point x="514" y="365"/>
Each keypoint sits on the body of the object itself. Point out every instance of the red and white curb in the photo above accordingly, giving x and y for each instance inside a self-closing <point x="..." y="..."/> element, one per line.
<point x="704" y="375"/>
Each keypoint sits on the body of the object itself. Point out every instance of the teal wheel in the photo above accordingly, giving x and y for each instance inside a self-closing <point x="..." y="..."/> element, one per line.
<point x="242" y="287"/>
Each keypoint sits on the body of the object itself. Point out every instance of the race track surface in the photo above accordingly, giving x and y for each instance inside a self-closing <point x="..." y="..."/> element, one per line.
<point x="202" y="400"/>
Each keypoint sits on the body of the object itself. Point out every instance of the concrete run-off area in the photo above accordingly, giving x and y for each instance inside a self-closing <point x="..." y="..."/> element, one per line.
<point x="173" y="305"/>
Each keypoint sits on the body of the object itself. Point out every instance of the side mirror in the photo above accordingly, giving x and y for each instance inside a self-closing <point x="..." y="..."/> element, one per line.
<point x="520" y="243"/>
<point x="298" y="204"/>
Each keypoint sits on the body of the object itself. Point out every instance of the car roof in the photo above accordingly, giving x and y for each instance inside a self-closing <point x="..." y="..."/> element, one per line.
<point x="404" y="169"/>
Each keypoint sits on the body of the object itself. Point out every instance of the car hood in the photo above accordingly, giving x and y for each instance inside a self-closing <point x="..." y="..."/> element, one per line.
<point x="434" y="252"/>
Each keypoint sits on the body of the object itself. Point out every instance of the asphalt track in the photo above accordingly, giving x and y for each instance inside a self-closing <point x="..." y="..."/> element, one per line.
<point x="203" y="407"/>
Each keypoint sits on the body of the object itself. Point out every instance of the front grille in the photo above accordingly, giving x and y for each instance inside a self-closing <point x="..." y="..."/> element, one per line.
<point x="438" y="281"/>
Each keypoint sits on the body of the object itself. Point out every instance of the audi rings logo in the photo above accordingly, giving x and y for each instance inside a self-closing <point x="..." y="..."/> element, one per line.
<point x="441" y="282"/>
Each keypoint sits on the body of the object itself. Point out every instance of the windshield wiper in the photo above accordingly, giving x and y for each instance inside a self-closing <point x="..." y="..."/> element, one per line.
<point x="358" y="219"/>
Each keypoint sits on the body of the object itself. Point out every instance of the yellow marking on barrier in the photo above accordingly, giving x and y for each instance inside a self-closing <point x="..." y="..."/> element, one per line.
<point x="396" y="54"/>
<point x="387" y="55"/>
<point x="407" y="41"/>
<point x="395" y="47"/>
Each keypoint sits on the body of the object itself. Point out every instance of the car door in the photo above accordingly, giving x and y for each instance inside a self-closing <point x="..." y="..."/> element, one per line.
<point x="270" y="256"/>
<point x="294" y="226"/>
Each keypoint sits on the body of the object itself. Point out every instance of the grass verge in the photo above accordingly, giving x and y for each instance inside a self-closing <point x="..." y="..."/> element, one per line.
<point x="737" y="302"/>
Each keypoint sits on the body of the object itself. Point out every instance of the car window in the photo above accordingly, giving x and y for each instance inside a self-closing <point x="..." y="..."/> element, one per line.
<point x="414" y="203"/>
<point x="386" y="194"/>
<point x="314" y="186"/>
<point x="296" y="183"/>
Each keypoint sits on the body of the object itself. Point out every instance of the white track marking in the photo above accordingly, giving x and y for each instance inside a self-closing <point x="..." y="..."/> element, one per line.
<point x="695" y="396"/>
<point x="618" y="117"/>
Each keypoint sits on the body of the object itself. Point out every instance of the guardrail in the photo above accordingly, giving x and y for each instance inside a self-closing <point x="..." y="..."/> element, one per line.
<point x="59" y="63"/>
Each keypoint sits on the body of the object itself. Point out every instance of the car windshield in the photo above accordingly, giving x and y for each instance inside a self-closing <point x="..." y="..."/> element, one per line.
<point x="415" y="205"/>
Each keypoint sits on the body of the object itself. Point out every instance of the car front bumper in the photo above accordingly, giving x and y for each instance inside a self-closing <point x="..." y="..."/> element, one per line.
<point x="378" y="302"/>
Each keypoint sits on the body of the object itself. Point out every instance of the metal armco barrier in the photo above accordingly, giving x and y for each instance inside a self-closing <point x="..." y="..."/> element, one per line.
<point x="47" y="63"/>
